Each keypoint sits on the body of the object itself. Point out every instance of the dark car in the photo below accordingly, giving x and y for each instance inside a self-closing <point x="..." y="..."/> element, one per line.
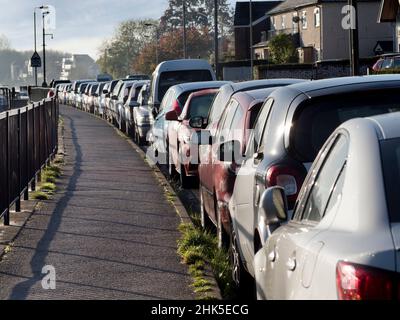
<point x="292" y="126"/>
<point x="387" y="62"/>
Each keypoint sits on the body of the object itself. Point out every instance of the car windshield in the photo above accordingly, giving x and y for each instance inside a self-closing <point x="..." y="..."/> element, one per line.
<point x="315" y="122"/>
<point x="200" y="106"/>
<point x="390" y="152"/>
<point x="172" y="78"/>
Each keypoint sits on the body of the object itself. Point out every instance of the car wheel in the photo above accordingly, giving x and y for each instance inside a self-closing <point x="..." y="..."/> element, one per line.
<point x="206" y="223"/>
<point x="244" y="283"/>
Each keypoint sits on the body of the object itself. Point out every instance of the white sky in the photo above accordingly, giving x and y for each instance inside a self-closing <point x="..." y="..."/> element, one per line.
<point x="81" y="24"/>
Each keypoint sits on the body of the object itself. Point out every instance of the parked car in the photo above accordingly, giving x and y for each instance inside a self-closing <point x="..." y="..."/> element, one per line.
<point x="387" y="61"/>
<point x="108" y="94"/>
<point x="349" y="197"/>
<point x="136" y="115"/>
<point x="55" y="83"/>
<point x="184" y="158"/>
<point x="118" y="105"/>
<point x="75" y="93"/>
<point x="174" y="72"/>
<point x="97" y="98"/>
<point x="138" y="77"/>
<point x="112" y="111"/>
<point x="293" y="125"/>
<point x="79" y="95"/>
<point x="174" y="100"/>
<point x="103" y="98"/>
<point x="208" y="182"/>
<point x="91" y="97"/>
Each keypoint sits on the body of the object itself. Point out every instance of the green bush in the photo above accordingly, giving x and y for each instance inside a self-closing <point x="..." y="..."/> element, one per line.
<point x="282" y="49"/>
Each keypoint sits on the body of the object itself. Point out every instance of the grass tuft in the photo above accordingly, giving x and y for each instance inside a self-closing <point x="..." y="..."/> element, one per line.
<point x="39" y="195"/>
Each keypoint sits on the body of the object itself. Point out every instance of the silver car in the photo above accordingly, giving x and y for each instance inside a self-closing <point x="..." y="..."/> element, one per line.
<point x="344" y="238"/>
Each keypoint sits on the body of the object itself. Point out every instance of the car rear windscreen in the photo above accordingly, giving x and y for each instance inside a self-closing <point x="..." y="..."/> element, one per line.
<point x="316" y="121"/>
<point x="172" y="78"/>
<point x="390" y="152"/>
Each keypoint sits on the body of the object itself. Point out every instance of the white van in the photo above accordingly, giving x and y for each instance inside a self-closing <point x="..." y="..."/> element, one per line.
<point x="170" y="73"/>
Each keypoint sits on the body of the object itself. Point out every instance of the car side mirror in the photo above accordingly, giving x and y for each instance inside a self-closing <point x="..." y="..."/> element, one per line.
<point x="197" y="122"/>
<point x="105" y="91"/>
<point x="171" y="116"/>
<point x="273" y="211"/>
<point x="229" y="151"/>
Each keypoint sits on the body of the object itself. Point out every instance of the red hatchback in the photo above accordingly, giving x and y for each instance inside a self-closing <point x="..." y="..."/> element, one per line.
<point x="183" y="158"/>
<point x="217" y="178"/>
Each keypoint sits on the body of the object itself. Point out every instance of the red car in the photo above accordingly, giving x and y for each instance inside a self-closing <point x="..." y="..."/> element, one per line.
<point x="217" y="178"/>
<point x="184" y="160"/>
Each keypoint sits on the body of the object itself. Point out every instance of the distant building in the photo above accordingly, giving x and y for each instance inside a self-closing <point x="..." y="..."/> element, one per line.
<point x="261" y="24"/>
<point x="316" y="26"/>
<point x="79" y="66"/>
<point x="390" y="12"/>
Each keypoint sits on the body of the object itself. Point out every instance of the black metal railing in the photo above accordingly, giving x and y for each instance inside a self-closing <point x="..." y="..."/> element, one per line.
<point x="28" y="141"/>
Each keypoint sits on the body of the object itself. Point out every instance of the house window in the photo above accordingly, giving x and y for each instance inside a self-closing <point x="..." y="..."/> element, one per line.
<point x="283" y="18"/>
<point x="273" y="23"/>
<point x="304" y="20"/>
<point x="317" y="18"/>
<point x="295" y="24"/>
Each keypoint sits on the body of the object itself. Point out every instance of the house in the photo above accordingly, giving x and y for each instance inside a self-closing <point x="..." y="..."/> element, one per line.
<point x="79" y="66"/>
<point x="317" y="28"/>
<point x="390" y="12"/>
<point x="242" y="25"/>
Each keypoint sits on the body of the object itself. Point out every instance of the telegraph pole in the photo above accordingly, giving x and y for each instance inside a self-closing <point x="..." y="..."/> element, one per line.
<point x="184" y="31"/>
<point x="251" y="40"/>
<point x="354" y="41"/>
<point x="216" y="47"/>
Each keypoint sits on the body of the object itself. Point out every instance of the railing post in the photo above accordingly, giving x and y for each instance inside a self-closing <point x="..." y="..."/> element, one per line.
<point x="7" y="214"/>
<point x="26" y="194"/>
<point x="33" y="184"/>
<point x="18" y="203"/>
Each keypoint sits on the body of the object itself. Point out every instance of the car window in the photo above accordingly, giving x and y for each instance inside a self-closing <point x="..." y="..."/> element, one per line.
<point x="227" y="120"/>
<point x="318" y="118"/>
<point x="390" y="153"/>
<point x="172" y="78"/>
<point x="387" y="63"/>
<point x="261" y="123"/>
<point x="325" y="181"/>
<point x="200" y="106"/>
<point x="396" y="64"/>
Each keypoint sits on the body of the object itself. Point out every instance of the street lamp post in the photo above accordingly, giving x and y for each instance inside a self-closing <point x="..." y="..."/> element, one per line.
<point x="251" y="40"/>
<point x="43" y="7"/>
<point x="216" y="47"/>
<point x="44" y="14"/>
<point x="157" y="39"/>
<point x="184" y="31"/>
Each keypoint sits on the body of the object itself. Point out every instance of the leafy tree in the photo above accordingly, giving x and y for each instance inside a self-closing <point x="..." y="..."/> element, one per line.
<point x="170" y="47"/>
<point x="118" y="53"/>
<point x="4" y="43"/>
<point x="282" y="49"/>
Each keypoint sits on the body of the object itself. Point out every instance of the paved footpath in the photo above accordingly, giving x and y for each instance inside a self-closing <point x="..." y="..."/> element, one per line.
<point x="109" y="232"/>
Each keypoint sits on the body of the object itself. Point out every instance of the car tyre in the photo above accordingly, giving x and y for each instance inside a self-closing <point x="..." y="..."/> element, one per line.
<point x="244" y="282"/>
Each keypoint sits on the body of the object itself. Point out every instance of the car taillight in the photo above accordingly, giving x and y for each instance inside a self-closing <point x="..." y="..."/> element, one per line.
<point x="50" y="94"/>
<point x="288" y="178"/>
<point x="176" y="107"/>
<point x="357" y="282"/>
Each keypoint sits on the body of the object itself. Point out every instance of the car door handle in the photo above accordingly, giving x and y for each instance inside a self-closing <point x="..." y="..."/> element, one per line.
<point x="291" y="264"/>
